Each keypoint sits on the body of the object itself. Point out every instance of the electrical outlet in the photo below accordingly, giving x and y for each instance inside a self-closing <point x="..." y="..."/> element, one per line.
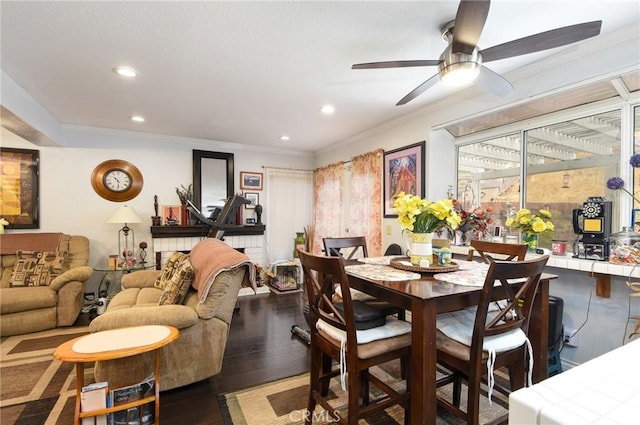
<point x="389" y="229"/>
<point x="570" y="337"/>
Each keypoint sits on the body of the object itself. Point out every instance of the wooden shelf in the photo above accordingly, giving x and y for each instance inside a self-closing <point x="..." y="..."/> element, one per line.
<point x="202" y="230"/>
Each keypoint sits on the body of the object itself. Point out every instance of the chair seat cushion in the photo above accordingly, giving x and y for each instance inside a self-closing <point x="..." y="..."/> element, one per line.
<point x="392" y="327"/>
<point x="16" y="300"/>
<point x="366" y="316"/>
<point x="458" y="325"/>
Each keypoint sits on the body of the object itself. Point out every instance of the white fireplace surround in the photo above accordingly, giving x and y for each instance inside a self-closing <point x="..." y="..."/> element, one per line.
<point x="253" y="246"/>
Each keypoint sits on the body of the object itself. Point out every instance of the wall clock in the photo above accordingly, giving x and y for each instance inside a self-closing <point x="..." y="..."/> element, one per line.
<point x="117" y="180"/>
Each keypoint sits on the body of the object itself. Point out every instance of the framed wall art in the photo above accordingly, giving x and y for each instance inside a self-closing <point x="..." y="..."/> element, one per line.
<point x="250" y="180"/>
<point x="403" y="172"/>
<point x="171" y="215"/>
<point x="19" y="186"/>
<point x="252" y="197"/>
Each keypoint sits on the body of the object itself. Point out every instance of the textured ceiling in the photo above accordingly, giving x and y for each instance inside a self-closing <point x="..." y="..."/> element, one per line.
<point x="249" y="72"/>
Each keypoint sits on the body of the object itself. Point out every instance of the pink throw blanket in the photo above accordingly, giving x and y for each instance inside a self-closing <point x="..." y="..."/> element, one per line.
<point x="210" y="257"/>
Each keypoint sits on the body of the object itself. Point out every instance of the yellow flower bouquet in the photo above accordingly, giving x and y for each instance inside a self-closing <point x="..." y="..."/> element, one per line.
<point x="531" y="224"/>
<point x="422" y="216"/>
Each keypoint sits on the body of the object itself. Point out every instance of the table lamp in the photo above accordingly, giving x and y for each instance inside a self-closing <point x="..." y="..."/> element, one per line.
<point x="125" y="215"/>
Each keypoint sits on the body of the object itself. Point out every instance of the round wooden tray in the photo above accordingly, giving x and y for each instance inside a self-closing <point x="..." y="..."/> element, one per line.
<point x="395" y="263"/>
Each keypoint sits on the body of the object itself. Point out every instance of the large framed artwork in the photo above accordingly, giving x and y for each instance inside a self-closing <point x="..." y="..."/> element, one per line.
<point x="403" y="172"/>
<point x="19" y="178"/>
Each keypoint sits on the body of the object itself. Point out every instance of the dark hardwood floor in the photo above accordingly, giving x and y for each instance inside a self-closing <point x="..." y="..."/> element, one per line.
<point x="260" y="349"/>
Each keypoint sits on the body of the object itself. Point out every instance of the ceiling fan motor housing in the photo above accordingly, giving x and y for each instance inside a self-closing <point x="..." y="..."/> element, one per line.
<point x="466" y="67"/>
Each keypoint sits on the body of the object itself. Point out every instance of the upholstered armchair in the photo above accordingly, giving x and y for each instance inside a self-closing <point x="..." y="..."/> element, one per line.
<point x="200" y="306"/>
<point x="44" y="276"/>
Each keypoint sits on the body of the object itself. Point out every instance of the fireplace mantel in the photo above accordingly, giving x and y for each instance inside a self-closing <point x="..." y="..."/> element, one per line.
<point x="203" y="230"/>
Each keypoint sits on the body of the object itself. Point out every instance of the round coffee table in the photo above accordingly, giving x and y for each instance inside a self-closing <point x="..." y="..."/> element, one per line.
<point x="116" y="344"/>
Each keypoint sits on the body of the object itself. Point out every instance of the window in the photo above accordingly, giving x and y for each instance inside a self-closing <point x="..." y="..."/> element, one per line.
<point x="489" y="175"/>
<point x="569" y="162"/>
<point x="566" y="162"/>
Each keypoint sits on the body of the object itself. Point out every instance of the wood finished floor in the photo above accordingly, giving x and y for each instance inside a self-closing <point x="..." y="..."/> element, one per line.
<point x="260" y="349"/>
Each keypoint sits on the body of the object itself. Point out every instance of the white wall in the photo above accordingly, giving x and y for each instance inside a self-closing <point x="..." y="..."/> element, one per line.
<point x="68" y="203"/>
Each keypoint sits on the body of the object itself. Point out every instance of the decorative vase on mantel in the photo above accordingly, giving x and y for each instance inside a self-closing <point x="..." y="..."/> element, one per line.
<point x="421" y="250"/>
<point x="184" y="215"/>
<point x="531" y="240"/>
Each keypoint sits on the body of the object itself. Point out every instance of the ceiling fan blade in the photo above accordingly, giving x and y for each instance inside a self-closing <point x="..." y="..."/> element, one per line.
<point x="542" y="41"/>
<point x="493" y="83"/>
<point x="468" y="26"/>
<point x="419" y="90"/>
<point x="395" y="64"/>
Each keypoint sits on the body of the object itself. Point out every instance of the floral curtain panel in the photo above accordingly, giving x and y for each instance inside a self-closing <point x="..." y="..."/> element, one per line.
<point x="327" y="199"/>
<point x="366" y="196"/>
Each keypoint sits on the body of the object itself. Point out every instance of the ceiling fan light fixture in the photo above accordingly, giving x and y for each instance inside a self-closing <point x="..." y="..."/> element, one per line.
<point x="460" y="73"/>
<point x="126" y="72"/>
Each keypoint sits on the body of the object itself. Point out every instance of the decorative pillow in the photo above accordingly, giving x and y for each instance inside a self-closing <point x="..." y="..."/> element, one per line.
<point x="169" y="269"/>
<point x="178" y="285"/>
<point x="35" y="268"/>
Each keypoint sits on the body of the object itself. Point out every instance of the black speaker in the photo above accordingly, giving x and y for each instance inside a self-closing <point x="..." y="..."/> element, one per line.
<point x="556" y="309"/>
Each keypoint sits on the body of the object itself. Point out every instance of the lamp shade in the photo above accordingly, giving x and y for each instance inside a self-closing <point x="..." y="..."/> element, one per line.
<point x="124" y="214"/>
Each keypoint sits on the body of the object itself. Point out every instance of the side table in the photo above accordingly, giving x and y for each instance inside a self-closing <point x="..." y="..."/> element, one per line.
<point x="116" y="344"/>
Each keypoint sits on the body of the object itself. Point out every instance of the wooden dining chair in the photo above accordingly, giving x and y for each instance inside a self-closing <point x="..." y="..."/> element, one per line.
<point x="352" y="248"/>
<point x="334" y="337"/>
<point x="472" y="344"/>
<point x="506" y="251"/>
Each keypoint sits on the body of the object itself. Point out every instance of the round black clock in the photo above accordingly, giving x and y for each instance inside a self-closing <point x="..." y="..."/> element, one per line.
<point x="117" y="180"/>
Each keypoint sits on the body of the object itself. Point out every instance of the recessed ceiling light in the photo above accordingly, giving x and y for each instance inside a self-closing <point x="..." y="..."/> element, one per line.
<point x="123" y="71"/>
<point x="328" y="109"/>
<point x="284" y="138"/>
<point x="137" y="118"/>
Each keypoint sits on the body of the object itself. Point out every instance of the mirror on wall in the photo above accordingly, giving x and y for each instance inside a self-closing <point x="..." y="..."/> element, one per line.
<point x="212" y="179"/>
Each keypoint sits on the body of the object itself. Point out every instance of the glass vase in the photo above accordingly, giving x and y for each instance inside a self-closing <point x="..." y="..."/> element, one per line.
<point x="530" y="240"/>
<point x="299" y="242"/>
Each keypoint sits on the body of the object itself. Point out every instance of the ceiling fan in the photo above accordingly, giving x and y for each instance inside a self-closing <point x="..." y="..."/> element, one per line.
<point x="462" y="60"/>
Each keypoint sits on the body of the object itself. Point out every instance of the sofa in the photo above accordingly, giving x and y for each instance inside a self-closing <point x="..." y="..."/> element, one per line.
<point x="42" y="281"/>
<point x="202" y="313"/>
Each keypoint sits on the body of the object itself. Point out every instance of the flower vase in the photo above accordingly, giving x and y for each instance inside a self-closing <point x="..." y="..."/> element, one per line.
<point x="530" y="240"/>
<point x="184" y="215"/>
<point x="421" y="249"/>
<point x="299" y="242"/>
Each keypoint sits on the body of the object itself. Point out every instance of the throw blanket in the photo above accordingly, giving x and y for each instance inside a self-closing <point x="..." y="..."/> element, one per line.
<point x="210" y="257"/>
<point x="10" y="243"/>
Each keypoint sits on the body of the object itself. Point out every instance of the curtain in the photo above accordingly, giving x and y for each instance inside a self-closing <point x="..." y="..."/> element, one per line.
<point x="366" y="199"/>
<point x="327" y="198"/>
<point x="288" y="209"/>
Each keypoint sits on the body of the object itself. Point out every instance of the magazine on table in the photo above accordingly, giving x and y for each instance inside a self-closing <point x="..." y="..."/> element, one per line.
<point x="139" y="415"/>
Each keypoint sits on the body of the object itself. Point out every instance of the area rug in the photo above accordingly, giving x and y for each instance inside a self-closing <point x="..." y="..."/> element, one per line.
<point x="35" y="388"/>
<point x="284" y="402"/>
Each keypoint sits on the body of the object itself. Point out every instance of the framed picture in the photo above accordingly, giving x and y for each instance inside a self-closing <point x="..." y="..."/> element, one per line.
<point x="20" y="201"/>
<point x="403" y="172"/>
<point x="253" y="197"/>
<point x="171" y="215"/>
<point x="250" y="180"/>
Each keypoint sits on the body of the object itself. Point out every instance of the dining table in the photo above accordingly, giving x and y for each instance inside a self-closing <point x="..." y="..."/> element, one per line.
<point x="426" y="294"/>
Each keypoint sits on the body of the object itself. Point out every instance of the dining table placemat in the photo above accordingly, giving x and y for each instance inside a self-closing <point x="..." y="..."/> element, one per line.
<point x="384" y="260"/>
<point x="380" y="272"/>
<point x="470" y="273"/>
